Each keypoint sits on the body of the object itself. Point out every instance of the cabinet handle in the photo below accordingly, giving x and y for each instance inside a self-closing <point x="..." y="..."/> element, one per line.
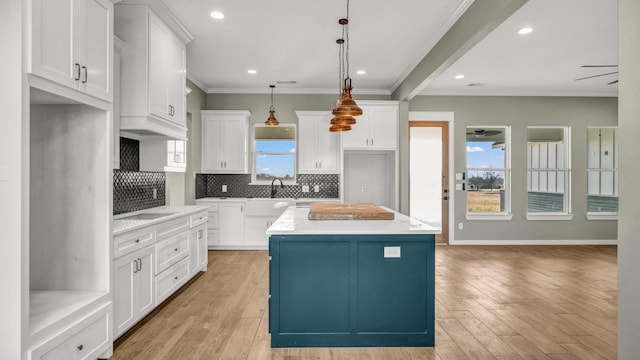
<point x="139" y="264"/>
<point x="175" y="278"/>
<point x="80" y="347"/>
<point x="176" y="249"/>
<point x="77" y="77"/>
<point x="320" y="164"/>
<point x="135" y="262"/>
<point x="371" y="142"/>
<point x="367" y="142"/>
<point x="200" y="234"/>
<point x="86" y="75"/>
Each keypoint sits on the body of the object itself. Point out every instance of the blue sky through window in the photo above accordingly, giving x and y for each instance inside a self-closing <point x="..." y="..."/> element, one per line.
<point x="480" y="155"/>
<point x="280" y="164"/>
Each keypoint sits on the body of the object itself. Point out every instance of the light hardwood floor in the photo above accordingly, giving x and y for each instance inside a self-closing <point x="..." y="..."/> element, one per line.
<point x="492" y="302"/>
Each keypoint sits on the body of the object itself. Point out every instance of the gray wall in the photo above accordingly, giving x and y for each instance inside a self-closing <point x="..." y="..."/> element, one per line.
<point x="628" y="240"/>
<point x="520" y="112"/>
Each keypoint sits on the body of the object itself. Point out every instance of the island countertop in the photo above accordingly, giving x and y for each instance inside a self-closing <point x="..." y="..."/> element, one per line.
<point x="295" y="221"/>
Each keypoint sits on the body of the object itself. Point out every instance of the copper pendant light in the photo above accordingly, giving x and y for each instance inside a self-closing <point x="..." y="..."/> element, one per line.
<point x="272" y="121"/>
<point x="347" y="107"/>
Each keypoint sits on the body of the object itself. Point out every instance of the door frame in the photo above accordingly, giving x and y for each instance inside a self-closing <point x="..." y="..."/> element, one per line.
<point x="441" y="116"/>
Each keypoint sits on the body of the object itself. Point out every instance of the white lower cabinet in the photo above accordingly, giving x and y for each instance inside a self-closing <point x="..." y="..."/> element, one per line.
<point x="153" y="262"/>
<point x="231" y="225"/>
<point x="256" y="230"/>
<point x="85" y="339"/>
<point x="198" y="243"/>
<point x="134" y="288"/>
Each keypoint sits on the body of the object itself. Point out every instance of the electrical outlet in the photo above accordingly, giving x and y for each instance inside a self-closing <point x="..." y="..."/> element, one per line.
<point x="224" y="188"/>
<point x="305" y="188"/>
<point x="460" y="226"/>
<point x="316" y="188"/>
<point x="155" y="193"/>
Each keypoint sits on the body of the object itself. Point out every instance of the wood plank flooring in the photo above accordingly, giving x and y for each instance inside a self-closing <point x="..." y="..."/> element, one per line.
<point x="492" y="302"/>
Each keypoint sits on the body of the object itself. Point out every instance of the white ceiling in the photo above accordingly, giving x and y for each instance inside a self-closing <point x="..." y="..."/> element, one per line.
<point x="294" y="40"/>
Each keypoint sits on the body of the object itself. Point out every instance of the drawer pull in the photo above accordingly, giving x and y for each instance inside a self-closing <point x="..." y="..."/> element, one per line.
<point x="176" y="249"/>
<point x="175" y="278"/>
<point x="137" y="240"/>
<point x="80" y="347"/>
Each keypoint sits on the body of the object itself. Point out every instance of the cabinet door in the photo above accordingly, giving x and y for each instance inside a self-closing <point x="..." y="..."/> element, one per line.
<point x="307" y="145"/>
<point x="231" y="224"/>
<point x="327" y="148"/>
<point x="159" y="38"/>
<point x="144" y="283"/>
<point x="123" y="299"/>
<point x="358" y="137"/>
<point x="255" y="231"/>
<point x="53" y="40"/>
<point x="212" y="144"/>
<point x="95" y="48"/>
<point x="176" y="81"/>
<point x="235" y="146"/>
<point x="383" y="127"/>
<point x="198" y="249"/>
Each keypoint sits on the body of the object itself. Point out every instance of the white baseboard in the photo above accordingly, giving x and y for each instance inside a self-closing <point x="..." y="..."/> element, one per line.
<point x="535" y="242"/>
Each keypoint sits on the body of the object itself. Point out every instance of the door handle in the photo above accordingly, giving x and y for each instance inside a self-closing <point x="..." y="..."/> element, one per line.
<point x="86" y="75"/>
<point x="77" y="77"/>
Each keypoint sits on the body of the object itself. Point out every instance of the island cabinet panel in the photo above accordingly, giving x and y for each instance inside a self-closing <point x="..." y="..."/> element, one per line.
<point x="352" y="290"/>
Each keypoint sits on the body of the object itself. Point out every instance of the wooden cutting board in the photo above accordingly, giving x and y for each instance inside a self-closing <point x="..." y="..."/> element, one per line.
<point x="348" y="211"/>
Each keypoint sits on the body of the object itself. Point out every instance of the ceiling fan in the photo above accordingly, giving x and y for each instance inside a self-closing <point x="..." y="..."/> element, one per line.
<point x="604" y="74"/>
<point x="482" y="133"/>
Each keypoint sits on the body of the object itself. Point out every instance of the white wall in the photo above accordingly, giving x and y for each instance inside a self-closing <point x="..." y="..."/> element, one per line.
<point x="628" y="229"/>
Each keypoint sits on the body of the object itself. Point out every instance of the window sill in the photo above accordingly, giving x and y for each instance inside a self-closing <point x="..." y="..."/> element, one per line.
<point x="602" y="216"/>
<point x="549" y="216"/>
<point x="489" y="216"/>
<point x="175" y="169"/>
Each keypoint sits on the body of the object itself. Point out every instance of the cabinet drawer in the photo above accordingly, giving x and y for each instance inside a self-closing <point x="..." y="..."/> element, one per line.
<point x="167" y="229"/>
<point x="213" y="220"/>
<point x="171" y="279"/>
<point x="171" y="251"/>
<point x="199" y="218"/>
<point x="131" y="241"/>
<point x="85" y="340"/>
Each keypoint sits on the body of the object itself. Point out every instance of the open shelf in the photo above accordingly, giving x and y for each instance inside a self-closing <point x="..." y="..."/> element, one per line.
<point x="49" y="307"/>
<point x="69" y="209"/>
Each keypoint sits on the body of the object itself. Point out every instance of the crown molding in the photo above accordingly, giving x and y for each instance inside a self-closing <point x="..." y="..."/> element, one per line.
<point x="295" y="91"/>
<point x="162" y="10"/>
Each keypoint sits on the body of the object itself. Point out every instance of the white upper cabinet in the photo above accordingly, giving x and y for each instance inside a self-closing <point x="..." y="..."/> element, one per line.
<point x="318" y="148"/>
<point x="376" y="129"/>
<point x="224" y="141"/>
<point x="70" y="43"/>
<point x="153" y="73"/>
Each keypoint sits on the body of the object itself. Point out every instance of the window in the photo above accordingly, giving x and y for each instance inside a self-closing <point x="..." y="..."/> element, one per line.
<point x="274" y="153"/>
<point x="177" y="153"/>
<point x="602" y="173"/>
<point x="548" y="173"/>
<point x="488" y="172"/>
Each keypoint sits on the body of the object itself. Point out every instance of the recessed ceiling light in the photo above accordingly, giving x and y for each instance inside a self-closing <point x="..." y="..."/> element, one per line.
<point x="525" y="30"/>
<point x="361" y="72"/>
<point x="217" y="15"/>
<point x="459" y="76"/>
<point x="252" y="71"/>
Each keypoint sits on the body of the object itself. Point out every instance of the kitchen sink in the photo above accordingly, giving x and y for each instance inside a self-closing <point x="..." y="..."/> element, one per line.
<point x="267" y="206"/>
<point x="145" y="216"/>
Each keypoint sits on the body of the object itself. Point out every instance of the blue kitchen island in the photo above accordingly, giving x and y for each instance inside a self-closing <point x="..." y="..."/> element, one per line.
<point x="351" y="283"/>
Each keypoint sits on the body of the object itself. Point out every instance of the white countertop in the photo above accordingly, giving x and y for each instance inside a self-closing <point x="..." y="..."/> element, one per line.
<point x="295" y="221"/>
<point x="293" y="200"/>
<point x="121" y="224"/>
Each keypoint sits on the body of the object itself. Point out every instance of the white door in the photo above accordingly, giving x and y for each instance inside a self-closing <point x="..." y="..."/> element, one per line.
<point x="256" y="228"/>
<point x="235" y="145"/>
<point x="383" y="124"/>
<point x="158" y="44"/>
<point x="327" y="149"/>
<point x="428" y="176"/>
<point x="212" y="143"/>
<point x="231" y="224"/>
<point x="95" y="48"/>
<point x="123" y="298"/>
<point x="307" y="145"/>
<point x="53" y="40"/>
<point x="144" y="282"/>
<point x="176" y="81"/>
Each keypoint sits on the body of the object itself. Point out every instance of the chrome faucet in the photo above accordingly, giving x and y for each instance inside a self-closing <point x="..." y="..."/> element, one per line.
<point x="274" y="189"/>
